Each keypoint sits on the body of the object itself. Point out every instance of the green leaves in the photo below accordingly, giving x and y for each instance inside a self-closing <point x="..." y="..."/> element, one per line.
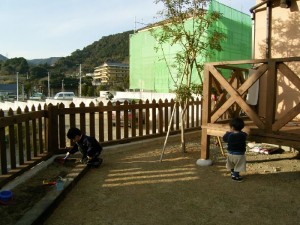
<point x="191" y="26"/>
<point x="14" y="65"/>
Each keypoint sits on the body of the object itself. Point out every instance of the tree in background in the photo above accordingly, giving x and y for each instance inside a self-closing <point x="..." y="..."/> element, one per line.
<point x="14" y="65"/>
<point x="196" y="43"/>
<point x="112" y="47"/>
<point x="38" y="72"/>
<point x="90" y="91"/>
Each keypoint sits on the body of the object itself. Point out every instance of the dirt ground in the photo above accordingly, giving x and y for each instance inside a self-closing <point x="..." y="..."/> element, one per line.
<point x="27" y="194"/>
<point x="132" y="187"/>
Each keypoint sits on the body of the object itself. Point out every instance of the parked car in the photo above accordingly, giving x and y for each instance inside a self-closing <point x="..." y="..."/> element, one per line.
<point x="122" y="101"/>
<point x="37" y="96"/>
<point x="64" y="95"/>
<point x="109" y="96"/>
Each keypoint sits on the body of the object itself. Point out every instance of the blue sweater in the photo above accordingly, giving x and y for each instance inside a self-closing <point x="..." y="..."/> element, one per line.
<point x="236" y="142"/>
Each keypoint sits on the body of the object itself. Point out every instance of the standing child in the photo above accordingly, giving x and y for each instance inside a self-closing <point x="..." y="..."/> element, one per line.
<point x="89" y="147"/>
<point x="236" y="139"/>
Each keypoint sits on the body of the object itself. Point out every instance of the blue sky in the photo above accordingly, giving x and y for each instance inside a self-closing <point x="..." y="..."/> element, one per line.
<point x="51" y="28"/>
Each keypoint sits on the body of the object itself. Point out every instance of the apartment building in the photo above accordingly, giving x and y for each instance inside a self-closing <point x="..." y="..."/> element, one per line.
<point x="110" y="73"/>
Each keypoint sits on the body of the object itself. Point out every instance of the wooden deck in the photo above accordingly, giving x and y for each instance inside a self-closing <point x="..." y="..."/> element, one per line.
<point x="288" y="136"/>
<point x="263" y="124"/>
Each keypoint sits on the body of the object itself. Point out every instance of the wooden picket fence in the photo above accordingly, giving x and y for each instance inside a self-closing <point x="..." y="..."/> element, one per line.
<point x="30" y="136"/>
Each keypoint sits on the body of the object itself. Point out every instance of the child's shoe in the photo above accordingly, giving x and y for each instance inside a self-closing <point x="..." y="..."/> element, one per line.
<point x="96" y="162"/>
<point x="237" y="179"/>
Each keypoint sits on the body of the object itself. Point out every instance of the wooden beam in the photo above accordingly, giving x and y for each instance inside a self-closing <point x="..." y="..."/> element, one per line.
<point x="288" y="116"/>
<point x="235" y="97"/>
<point x="289" y="74"/>
<point x="206" y="94"/>
<point x="233" y="68"/>
<point x="220" y="129"/>
<point x="222" y="109"/>
<point x="205" y="142"/>
<point x="279" y="135"/>
<point x="253" y="78"/>
<point x="255" y="61"/>
<point x="270" y="101"/>
<point x="206" y="104"/>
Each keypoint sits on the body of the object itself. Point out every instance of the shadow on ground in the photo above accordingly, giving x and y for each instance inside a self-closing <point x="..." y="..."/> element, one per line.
<point x="133" y="188"/>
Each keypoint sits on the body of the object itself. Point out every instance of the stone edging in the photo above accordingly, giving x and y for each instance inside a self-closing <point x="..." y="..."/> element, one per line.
<point x="40" y="211"/>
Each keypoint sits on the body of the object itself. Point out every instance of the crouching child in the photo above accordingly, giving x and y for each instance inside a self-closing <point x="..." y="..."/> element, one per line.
<point x="88" y="146"/>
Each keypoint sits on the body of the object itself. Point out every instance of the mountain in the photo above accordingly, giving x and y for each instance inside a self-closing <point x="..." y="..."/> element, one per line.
<point x="49" y="61"/>
<point x="2" y="58"/>
<point x="112" y="48"/>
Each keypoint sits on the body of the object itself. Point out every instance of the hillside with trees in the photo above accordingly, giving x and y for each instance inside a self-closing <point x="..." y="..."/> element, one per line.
<point x="113" y="48"/>
<point x="49" y="61"/>
<point x="2" y="58"/>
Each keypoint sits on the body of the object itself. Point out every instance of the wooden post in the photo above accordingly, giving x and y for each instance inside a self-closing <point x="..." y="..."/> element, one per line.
<point x="160" y="117"/>
<point x="153" y="117"/>
<point x="40" y="128"/>
<point x="20" y="139"/>
<point x="101" y="122"/>
<point x="206" y="112"/>
<point x="205" y="142"/>
<point x="147" y="116"/>
<point x="271" y="95"/>
<point x="3" y="155"/>
<point x="34" y="134"/>
<point x="92" y="120"/>
<point x="12" y="147"/>
<point x="82" y="118"/>
<point x="52" y="129"/>
<point x="27" y="136"/>
<point x="62" y="127"/>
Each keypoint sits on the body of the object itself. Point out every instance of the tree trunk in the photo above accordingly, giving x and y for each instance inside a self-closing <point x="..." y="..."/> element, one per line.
<point x="183" y="117"/>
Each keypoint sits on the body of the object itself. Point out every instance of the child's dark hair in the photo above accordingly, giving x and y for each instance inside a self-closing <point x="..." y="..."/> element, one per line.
<point x="73" y="131"/>
<point x="237" y="124"/>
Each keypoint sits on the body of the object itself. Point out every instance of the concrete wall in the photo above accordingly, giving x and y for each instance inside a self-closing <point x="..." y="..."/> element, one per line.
<point x="6" y="105"/>
<point x="145" y="95"/>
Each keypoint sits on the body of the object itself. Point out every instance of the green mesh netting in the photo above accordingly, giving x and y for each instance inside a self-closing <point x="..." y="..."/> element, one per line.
<point x="148" y="67"/>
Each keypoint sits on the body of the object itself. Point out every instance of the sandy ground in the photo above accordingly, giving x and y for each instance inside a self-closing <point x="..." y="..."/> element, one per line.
<point x="134" y="188"/>
<point x="29" y="193"/>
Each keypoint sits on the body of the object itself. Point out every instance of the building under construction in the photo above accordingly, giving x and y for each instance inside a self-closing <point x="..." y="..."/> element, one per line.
<point x="149" y="68"/>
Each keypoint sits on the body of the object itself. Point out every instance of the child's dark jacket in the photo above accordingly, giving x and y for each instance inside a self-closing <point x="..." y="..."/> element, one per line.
<point x="236" y="142"/>
<point x="87" y="145"/>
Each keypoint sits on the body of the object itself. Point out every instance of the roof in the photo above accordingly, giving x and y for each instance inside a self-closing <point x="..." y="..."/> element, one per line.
<point x="8" y="87"/>
<point x="113" y="64"/>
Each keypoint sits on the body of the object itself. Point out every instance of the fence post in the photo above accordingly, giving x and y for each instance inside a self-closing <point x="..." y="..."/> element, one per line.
<point x="12" y="144"/>
<point x="160" y="116"/>
<point x="62" y="126"/>
<point x="3" y="160"/>
<point x="52" y="129"/>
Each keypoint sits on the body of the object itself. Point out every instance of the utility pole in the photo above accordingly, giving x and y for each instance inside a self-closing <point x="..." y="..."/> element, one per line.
<point x="79" y="80"/>
<point x="48" y="84"/>
<point x="17" y="86"/>
<point x="23" y="95"/>
<point x="62" y="85"/>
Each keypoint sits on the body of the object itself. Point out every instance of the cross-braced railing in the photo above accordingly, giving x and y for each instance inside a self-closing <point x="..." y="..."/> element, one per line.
<point x="263" y="120"/>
